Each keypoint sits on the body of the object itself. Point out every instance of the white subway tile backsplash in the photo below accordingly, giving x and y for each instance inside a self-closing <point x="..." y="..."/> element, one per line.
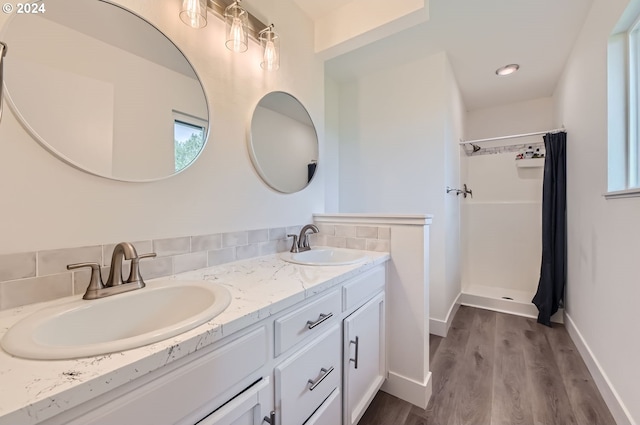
<point x="277" y="233"/>
<point x="345" y="231"/>
<point x="26" y="278"/>
<point x="221" y="256"/>
<point x="384" y="232"/>
<point x="356" y="243"/>
<point x="56" y="260"/>
<point x="188" y="262"/>
<point x="206" y="242"/>
<point x="172" y="246"/>
<point x="379" y="245"/>
<point x="256" y="236"/>
<point x="155" y="267"/>
<point x="247" y="251"/>
<point x="15" y="293"/>
<point x="17" y="266"/>
<point x="235" y="239"/>
<point x="369" y="232"/>
<point x="337" y="241"/>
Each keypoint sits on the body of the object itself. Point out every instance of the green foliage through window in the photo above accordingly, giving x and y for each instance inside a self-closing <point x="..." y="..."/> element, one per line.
<point x="189" y="141"/>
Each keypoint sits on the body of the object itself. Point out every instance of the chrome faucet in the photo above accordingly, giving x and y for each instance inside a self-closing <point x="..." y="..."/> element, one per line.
<point x="303" y="239"/>
<point x="301" y="242"/>
<point x="115" y="284"/>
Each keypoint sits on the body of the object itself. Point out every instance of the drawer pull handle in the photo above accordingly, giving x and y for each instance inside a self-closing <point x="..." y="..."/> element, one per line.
<point x="271" y="419"/>
<point x="325" y="373"/>
<point x="321" y="319"/>
<point x="357" y="343"/>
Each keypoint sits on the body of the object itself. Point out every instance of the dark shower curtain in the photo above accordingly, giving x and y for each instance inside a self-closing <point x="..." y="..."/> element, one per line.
<point x="553" y="272"/>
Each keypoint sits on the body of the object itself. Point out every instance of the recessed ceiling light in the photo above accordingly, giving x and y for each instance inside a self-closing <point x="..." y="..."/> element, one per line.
<point x="508" y="69"/>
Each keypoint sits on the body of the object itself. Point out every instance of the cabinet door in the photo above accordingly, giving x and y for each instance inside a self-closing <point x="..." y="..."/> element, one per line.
<point x="248" y="408"/>
<point x="364" y="358"/>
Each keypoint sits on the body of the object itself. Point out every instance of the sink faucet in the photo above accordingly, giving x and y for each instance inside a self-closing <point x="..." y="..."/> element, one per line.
<point x="303" y="239"/>
<point x="115" y="284"/>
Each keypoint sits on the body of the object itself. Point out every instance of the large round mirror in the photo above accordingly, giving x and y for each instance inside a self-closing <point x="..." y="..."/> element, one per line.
<point x="283" y="144"/>
<point x="104" y="90"/>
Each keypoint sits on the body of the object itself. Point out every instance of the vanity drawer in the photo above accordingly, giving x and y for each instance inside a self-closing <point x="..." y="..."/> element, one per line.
<point x="363" y="288"/>
<point x="308" y="377"/>
<point x="187" y="393"/>
<point x="312" y="319"/>
<point x="330" y="413"/>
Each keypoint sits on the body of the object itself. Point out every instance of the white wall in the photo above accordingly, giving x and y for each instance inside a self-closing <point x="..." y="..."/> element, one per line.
<point x="399" y="133"/>
<point x="502" y="224"/>
<point x="47" y="204"/>
<point x="603" y="235"/>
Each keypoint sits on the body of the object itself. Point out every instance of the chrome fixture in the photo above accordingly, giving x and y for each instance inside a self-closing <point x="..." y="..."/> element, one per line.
<point x="115" y="284"/>
<point x="301" y="242"/>
<point x="237" y="21"/>
<point x="270" y="42"/>
<point x="240" y="25"/>
<point x="194" y="13"/>
<point x="303" y="239"/>
<point x="464" y="191"/>
<point x="3" y="53"/>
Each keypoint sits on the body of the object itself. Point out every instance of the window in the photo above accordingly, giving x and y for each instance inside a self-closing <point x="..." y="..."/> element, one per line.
<point x="624" y="105"/>
<point x="189" y="134"/>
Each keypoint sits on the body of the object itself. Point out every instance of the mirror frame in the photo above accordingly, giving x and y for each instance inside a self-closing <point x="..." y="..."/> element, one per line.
<point x="252" y="153"/>
<point x="34" y="134"/>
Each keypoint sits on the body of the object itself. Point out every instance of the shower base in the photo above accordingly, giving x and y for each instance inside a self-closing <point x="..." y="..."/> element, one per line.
<point x="504" y="300"/>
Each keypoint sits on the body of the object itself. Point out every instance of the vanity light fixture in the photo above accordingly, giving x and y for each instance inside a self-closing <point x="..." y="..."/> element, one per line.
<point x="241" y="25"/>
<point x="237" y="32"/>
<point x="507" y="69"/>
<point x="270" y="42"/>
<point x="194" y="13"/>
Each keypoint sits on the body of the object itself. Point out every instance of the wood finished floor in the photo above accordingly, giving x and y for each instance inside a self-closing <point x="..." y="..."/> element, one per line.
<point x="499" y="369"/>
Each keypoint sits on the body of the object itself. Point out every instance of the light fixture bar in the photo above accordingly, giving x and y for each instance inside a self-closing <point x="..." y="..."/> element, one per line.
<point x="255" y="25"/>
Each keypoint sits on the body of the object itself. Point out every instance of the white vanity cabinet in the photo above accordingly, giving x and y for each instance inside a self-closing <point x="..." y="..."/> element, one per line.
<point x="299" y="363"/>
<point x="364" y="358"/>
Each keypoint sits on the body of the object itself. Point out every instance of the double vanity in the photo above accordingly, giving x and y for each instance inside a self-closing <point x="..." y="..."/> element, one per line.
<point x="300" y="340"/>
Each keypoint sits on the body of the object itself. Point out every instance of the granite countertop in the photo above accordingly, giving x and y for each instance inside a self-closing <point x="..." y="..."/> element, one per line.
<point x="34" y="390"/>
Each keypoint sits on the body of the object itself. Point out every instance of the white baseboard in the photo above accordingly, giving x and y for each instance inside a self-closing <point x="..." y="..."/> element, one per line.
<point x="609" y="394"/>
<point x="441" y="327"/>
<point x="416" y="393"/>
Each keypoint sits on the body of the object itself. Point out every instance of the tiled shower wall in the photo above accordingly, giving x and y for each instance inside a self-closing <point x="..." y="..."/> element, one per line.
<point x="32" y="277"/>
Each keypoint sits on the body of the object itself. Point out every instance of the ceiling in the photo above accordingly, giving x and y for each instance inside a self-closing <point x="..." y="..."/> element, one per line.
<point x="479" y="36"/>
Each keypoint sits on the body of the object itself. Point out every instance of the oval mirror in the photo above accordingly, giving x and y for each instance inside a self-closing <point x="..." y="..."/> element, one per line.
<point x="104" y="90"/>
<point x="283" y="144"/>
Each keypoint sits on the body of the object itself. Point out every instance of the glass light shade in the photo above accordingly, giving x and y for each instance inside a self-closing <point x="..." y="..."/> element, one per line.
<point x="237" y="21"/>
<point x="270" y="42"/>
<point x="194" y="13"/>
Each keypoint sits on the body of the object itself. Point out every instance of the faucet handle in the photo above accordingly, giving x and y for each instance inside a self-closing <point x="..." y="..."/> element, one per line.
<point x="134" y="273"/>
<point x="294" y="246"/>
<point x="95" y="283"/>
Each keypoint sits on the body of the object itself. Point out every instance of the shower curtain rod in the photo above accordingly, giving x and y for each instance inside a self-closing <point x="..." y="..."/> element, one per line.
<point x="515" y="136"/>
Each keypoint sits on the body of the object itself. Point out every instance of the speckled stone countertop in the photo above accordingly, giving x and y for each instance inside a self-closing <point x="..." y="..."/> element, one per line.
<point x="34" y="390"/>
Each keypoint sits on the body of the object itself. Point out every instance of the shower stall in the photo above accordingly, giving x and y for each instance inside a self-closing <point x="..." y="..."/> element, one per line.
<point x="501" y="223"/>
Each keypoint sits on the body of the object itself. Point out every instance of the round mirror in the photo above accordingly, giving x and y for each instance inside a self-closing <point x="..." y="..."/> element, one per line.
<point x="283" y="145"/>
<point x="104" y="90"/>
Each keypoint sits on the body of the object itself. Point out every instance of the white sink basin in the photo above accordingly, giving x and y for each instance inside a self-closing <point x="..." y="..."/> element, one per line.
<point x="82" y="328"/>
<point x="325" y="257"/>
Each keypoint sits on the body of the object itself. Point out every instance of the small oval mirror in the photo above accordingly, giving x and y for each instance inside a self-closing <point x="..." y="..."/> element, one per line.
<point x="283" y="144"/>
<point x="104" y="90"/>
